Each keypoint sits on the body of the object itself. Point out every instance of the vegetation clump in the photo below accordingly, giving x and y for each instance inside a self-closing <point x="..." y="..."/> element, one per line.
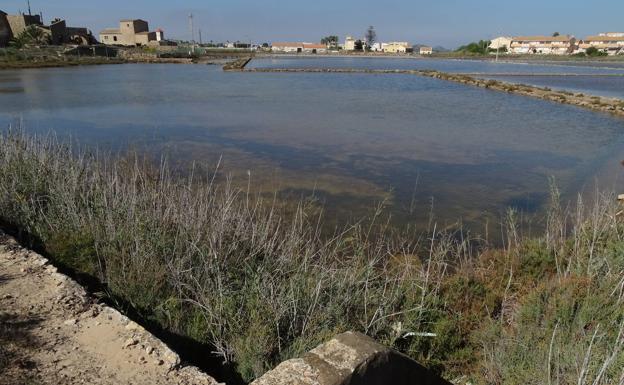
<point x="260" y="283"/>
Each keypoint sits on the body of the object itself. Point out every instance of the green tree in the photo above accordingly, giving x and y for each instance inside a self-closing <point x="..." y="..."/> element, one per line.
<point x="331" y="41"/>
<point x="593" y="51"/>
<point x="370" y="36"/>
<point x="476" y="48"/>
<point x="359" y="45"/>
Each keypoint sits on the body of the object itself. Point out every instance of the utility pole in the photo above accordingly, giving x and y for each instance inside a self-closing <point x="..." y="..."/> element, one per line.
<point x="191" y="28"/>
<point x="29" y="12"/>
<point x="200" y="37"/>
<point x="192" y="33"/>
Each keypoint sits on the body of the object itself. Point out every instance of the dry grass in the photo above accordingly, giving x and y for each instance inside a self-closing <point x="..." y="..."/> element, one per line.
<point x="261" y="283"/>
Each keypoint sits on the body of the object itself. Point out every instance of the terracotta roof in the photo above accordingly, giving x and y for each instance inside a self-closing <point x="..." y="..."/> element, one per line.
<point x="282" y="44"/>
<point x="543" y="38"/>
<point x="604" y="38"/>
<point x="606" y="46"/>
<point x="314" y="46"/>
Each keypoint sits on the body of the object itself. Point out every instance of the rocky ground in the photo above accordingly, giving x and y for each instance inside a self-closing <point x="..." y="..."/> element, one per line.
<point x="52" y="332"/>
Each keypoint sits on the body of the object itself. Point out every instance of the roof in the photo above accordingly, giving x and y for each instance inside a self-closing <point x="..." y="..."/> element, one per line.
<point x="283" y="44"/>
<point x="543" y="38"/>
<point x="126" y="20"/>
<point x="314" y="46"/>
<point x="605" y="46"/>
<point x="111" y="31"/>
<point x="426" y="47"/>
<point x="3" y="13"/>
<point x="604" y="38"/>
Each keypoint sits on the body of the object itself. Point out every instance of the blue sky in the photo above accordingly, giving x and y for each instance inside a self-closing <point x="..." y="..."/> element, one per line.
<point x="441" y="22"/>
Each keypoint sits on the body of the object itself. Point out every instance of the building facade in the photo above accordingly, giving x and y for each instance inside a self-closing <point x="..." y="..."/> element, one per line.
<point x="425" y="50"/>
<point x="349" y="44"/>
<point x="396" y="47"/>
<point x="5" y="30"/>
<point x="501" y="42"/>
<point x="131" y="33"/>
<point x="298" y="47"/>
<point x="611" y="43"/>
<point x="544" y="45"/>
<point x="57" y="33"/>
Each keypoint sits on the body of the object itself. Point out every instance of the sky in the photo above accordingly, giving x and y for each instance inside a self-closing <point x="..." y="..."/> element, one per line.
<point x="447" y="23"/>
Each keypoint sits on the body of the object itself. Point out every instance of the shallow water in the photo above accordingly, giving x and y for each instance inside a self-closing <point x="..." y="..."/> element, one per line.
<point x="352" y="140"/>
<point x="609" y="86"/>
<point x="444" y="65"/>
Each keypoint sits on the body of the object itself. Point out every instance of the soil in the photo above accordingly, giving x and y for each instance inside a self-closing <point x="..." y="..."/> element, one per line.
<point x="52" y="332"/>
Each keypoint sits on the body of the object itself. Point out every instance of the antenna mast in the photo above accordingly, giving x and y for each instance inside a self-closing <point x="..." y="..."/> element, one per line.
<point x="191" y="27"/>
<point x="29" y="12"/>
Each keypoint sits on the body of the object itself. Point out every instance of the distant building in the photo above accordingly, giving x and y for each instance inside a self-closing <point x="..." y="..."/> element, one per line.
<point x="376" y="47"/>
<point x="298" y="47"/>
<point x="131" y="32"/>
<point x="287" y="47"/>
<point x="314" y="48"/>
<point x="396" y="47"/>
<point x="425" y="50"/>
<point x="349" y="44"/>
<point x="57" y="32"/>
<point x="501" y="43"/>
<point x="5" y="30"/>
<point x="546" y="45"/>
<point x="611" y="43"/>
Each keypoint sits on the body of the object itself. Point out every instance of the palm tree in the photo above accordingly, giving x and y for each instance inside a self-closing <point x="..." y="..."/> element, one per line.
<point x="32" y="35"/>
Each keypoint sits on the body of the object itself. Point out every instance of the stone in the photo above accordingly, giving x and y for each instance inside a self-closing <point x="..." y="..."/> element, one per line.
<point x="70" y="322"/>
<point x="130" y="342"/>
<point x="350" y="359"/>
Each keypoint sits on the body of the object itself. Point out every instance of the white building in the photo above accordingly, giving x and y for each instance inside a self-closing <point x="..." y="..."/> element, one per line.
<point x="396" y="47"/>
<point x="611" y="43"/>
<point x="425" y="50"/>
<point x="298" y="47"/>
<point x="500" y="43"/>
<point x="376" y="47"/>
<point x="546" y="45"/>
<point x="349" y="44"/>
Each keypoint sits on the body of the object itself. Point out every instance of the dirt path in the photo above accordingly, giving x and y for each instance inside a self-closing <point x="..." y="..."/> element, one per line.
<point x="51" y="332"/>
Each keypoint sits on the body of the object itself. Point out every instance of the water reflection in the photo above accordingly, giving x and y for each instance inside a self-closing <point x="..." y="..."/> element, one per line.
<point x="349" y="139"/>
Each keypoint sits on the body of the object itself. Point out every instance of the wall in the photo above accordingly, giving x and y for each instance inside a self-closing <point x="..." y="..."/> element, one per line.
<point x="5" y="30"/>
<point x="19" y="23"/>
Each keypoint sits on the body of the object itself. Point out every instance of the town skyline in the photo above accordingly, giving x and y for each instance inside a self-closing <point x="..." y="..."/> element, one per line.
<point x="280" y="21"/>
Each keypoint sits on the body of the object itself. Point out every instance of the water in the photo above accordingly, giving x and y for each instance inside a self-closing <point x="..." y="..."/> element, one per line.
<point x="444" y="65"/>
<point x="585" y="79"/>
<point x="352" y="140"/>
<point x="609" y="86"/>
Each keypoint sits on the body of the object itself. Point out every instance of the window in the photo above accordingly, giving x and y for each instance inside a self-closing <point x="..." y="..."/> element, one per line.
<point x="115" y="38"/>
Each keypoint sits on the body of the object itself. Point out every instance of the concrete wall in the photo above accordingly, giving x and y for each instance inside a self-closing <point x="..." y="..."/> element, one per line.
<point x="58" y="32"/>
<point x="351" y="359"/>
<point x="5" y="30"/>
<point x="144" y="38"/>
<point x="19" y="23"/>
